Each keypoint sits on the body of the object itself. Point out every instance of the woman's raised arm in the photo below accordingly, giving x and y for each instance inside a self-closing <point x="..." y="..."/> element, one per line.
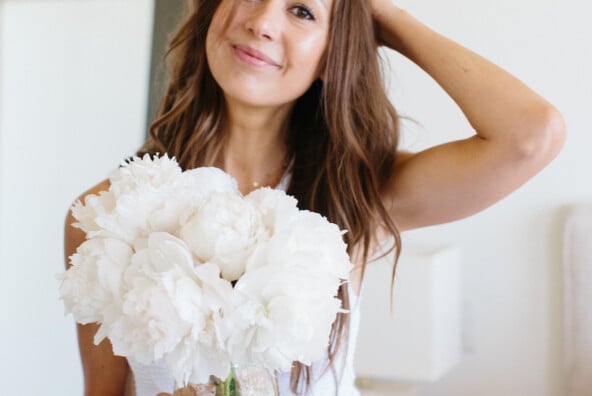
<point x="104" y="373"/>
<point x="517" y="131"/>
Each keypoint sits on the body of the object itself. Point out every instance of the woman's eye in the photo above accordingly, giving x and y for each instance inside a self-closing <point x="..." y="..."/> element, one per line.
<point x="302" y="12"/>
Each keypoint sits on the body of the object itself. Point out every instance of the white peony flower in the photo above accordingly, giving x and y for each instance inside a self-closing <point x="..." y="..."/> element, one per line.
<point x="168" y="300"/>
<point x="143" y="196"/>
<point x="281" y="316"/>
<point x="224" y="229"/>
<point x="94" y="206"/>
<point x="131" y="218"/>
<point x="310" y="243"/>
<point x="278" y="209"/>
<point x="205" y="180"/>
<point x="153" y="171"/>
<point x="187" y="192"/>
<point x="92" y="287"/>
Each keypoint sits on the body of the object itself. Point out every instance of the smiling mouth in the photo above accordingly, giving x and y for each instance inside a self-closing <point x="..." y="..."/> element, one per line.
<point x="253" y="57"/>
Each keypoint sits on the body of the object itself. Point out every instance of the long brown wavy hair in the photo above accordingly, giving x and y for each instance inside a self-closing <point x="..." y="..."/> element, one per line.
<point x="342" y="137"/>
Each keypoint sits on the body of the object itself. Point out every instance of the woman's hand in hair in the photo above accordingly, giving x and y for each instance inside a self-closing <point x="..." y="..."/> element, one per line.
<point x="382" y="12"/>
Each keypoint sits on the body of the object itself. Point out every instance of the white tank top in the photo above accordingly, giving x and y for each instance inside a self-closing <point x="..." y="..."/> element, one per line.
<point x="150" y="380"/>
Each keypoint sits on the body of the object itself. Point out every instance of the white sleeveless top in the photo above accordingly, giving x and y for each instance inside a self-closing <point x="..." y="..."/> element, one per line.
<point x="339" y="380"/>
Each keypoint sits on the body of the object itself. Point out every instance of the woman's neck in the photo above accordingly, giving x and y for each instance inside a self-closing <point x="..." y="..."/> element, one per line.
<point x="256" y="151"/>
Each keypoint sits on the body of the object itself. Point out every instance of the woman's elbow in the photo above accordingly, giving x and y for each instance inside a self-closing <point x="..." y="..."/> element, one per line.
<point x="545" y="137"/>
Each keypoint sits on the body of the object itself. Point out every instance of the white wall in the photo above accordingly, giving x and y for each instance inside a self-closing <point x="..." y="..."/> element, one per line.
<point x="73" y="77"/>
<point x="73" y="104"/>
<point x="512" y="252"/>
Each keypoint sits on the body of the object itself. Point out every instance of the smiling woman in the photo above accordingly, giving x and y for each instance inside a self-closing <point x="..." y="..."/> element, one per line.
<point x="289" y="95"/>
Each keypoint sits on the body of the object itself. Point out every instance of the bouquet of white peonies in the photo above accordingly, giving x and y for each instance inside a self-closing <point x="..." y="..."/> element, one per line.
<point x="180" y="267"/>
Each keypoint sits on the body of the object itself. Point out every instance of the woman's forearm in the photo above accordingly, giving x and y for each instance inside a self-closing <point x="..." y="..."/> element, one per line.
<point x="497" y="105"/>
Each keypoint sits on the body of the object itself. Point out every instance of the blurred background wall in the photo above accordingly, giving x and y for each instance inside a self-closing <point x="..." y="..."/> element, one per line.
<point x="73" y="104"/>
<point x="74" y="100"/>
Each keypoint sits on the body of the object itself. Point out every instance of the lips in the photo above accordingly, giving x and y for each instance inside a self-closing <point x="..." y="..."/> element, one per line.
<point x="253" y="57"/>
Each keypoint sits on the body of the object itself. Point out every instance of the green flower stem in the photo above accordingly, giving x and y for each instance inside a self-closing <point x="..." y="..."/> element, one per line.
<point x="228" y="386"/>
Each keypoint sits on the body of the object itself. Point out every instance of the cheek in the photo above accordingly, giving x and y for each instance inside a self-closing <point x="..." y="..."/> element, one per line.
<point x="310" y="52"/>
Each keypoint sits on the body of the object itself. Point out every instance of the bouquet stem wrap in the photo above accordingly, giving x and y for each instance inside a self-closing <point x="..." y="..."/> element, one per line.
<point x="245" y="381"/>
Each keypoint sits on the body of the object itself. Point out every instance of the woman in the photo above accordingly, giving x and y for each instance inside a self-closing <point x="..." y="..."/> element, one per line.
<point x="272" y="90"/>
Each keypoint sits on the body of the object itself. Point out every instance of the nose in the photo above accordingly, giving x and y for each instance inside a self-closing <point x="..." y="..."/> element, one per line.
<point x="265" y="20"/>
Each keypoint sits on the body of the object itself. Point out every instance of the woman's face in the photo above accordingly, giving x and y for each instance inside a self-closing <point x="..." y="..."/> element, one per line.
<point x="267" y="52"/>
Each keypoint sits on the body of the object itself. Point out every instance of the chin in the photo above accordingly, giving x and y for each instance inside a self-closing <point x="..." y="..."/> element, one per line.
<point x="258" y="101"/>
<point x="258" y="91"/>
<point x="258" y="96"/>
